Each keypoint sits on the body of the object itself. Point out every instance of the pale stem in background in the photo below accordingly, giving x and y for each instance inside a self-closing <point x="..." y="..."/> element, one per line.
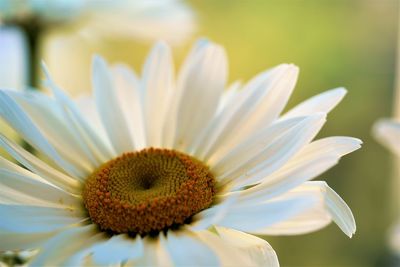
<point x="396" y="114"/>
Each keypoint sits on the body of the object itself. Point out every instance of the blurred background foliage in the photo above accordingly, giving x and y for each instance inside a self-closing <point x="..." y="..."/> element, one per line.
<point x="335" y="43"/>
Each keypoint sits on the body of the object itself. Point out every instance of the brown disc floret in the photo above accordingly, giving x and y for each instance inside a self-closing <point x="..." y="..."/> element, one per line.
<point x="148" y="191"/>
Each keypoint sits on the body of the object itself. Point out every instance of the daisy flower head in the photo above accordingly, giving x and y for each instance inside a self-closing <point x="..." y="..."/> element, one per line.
<point x="154" y="170"/>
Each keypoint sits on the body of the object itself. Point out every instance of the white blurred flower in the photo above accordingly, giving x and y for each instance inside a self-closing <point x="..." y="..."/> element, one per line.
<point x="45" y="11"/>
<point x="180" y="172"/>
<point x="387" y="132"/>
<point x="171" y="20"/>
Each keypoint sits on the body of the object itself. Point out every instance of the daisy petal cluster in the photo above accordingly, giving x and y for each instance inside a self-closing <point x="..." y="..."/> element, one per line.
<point x="124" y="165"/>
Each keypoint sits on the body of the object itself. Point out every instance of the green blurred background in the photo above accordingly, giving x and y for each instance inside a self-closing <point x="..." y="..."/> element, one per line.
<point x="335" y="43"/>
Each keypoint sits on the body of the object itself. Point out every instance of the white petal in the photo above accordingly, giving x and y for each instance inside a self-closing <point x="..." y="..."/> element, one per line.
<point x="228" y="248"/>
<point x="254" y="107"/>
<point x="185" y="249"/>
<point x="328" y="207"/>
<point x="154" y="253"/>
<point x="68" y="248"/>
<point x="212" y="131"/>
<point x="20" y="186"/>
<point x="19" y="120"/>
<point x="271" y="105"/>
<point x="117" y="249"/>
<point x="255" y="217"/>
<point x="202" y="248"/>
<point x="200" y="84"/>
<point x="158" y="76"/>
<point x="228" y="254"/>
<point x="20" y="241"/>
<point x="266" y="151"/>
<point x="324" y="102"/>
<point x="258" y="250"/>
<point x="228" y="96"/>
<point x="109" y="108"/>
<point x="32" y="219"/>
<point x="311" y="220"/>
<point x="310" y="162"/>
<point x="214" y="214"/>
<point x="28" y="189"/>
<point x="388" y="133"/>
<point x="130" y="97"/>
<point x="53" y="123"/>
<point x="92" y="139"/>
<point x="37" y="166"/>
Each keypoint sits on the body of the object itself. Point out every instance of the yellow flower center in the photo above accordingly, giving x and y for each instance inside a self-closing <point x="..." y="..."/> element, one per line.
<point x="148" y="191"/>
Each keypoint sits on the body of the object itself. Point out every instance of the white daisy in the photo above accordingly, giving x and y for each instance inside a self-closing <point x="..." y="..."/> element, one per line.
<point x="387" y="132"/>
<point x="153" y="172"/>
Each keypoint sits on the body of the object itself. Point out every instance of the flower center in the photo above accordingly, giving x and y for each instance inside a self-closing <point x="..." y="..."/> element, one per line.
<point x="148" y="191"/>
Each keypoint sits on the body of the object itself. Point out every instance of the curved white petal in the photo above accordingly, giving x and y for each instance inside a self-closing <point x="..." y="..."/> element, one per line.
<point x="185" y="248"/>
<point x="200" y="84"/>
<point x="21" y="241"/>
<point x="329" y="206"/>
<point x="157" y="82"/>
<point x="324" y="102"/>
<point x="228" y="253"/>
<point x="53" y="123"/>
<point x="26" y="188"/>
<point x="311" y="161"/>
<point x="388" y="133"/>
<point x="69" y="247"/>
<point x="93" y="139"/>
<point x="23" y="174"/>
<point x="34" y="219"/>
<point x="229" y="95"/>
<point x="119" y="248"/>
<point x="154" y="253"/>
<point x="254" y="107"/>
<point x="258" y="250"/>
<point x="208" y="217"/>
<point x="21" y="122"/>
<point x="266" y="151"/>
<point x="255" y="217"/>
<point x="109" y="109"/>
<point x="130" y="97"/>
<point x="271" y="105"/>
<point x="37" y="166"/>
